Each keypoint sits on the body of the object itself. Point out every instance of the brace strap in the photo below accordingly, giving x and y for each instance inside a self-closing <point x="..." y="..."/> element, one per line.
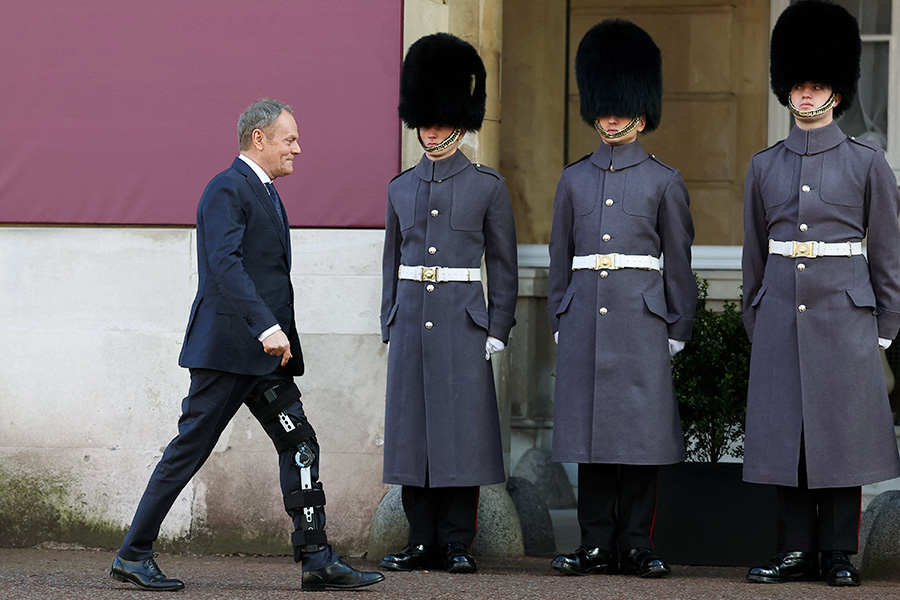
<point x="266" y="411"/>
<point x="309" y="537"/>
<point x="288" y="440"/>
<point x="304" y="498"/>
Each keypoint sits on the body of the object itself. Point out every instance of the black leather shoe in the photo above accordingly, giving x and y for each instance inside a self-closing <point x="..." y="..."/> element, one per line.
<point x="786" y="566"/>
<point x="411" y="558"/>
<point x="643" y="563"/>
<point x="457" y="559"/>
<point x="837" y="569"/>
<point x="586" y="561"/>
<point x="338" y="576"/>
<point x="145" y="574"/>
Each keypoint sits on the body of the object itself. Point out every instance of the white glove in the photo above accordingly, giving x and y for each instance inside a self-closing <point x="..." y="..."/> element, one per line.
<point x="556" y="337"/>
<point x="675" y="346"/>
<point x="883" y="343"/>
<point x="491" y="346"/>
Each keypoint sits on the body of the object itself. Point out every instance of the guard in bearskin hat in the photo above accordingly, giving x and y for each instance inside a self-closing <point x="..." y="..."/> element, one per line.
<point x="442" y="430"/>
<point x="818" y="419"/>
<point x="616" y="316"/>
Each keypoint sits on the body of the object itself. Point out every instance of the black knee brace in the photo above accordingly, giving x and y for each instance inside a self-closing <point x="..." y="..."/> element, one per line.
<point x="289" y="434"/>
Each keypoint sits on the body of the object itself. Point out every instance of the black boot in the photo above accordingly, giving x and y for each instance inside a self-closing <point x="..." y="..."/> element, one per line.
<point x="586" y="561"/>
<point x="412" y="558"/>
<point x="643" y="563"/>
<point x="457" y="559"/>
<point x="787" y="566"/>
<point x="837" y="569"/>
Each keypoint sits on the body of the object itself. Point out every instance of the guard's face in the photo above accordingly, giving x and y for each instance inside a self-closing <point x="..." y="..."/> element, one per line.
<point x="435" y="134"/>
<point x="810" y="95"/>
<point x="614" y="123"/>
<point x="278" y="149"/>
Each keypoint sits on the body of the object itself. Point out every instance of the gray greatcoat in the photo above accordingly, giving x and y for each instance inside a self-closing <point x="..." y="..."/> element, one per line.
<point x="441" y="409"/>
<point x="815" y="369"/>
<point x="614" y="400"/>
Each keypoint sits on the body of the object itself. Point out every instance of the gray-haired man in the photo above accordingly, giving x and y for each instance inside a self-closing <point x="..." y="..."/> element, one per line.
<point x="241" y="346"/>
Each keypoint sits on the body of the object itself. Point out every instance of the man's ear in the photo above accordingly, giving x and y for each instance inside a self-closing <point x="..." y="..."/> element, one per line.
<point x="256" y="139"/>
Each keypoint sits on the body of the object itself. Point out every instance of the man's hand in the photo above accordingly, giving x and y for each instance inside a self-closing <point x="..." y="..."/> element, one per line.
<point x="277" y="344"/>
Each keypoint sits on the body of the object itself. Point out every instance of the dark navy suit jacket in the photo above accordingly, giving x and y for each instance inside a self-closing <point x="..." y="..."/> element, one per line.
<point x="244" y="263"/>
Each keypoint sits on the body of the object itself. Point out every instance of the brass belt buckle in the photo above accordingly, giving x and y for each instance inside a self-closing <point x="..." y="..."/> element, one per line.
<point x="604" y="261"/>
<point x="429" y="274"/>
<point x="802" y="249"/>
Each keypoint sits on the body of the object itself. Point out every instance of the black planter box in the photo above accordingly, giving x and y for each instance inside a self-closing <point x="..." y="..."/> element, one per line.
<point x="706" y="515"/>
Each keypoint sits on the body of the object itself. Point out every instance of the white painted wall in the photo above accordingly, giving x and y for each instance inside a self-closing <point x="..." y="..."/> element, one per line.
<point x="91" y="325"/>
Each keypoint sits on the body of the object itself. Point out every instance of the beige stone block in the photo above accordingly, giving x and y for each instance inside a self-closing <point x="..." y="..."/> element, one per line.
<point x="337" y="304"/>
<point x="710" y="210"/>
<point x="107" y="390"/>
<point x="701" y="153"/>
<point x="336" y="251"/>
<point x="90" y="279"/>
<point x="343" y="391"/>
<point x="96" y="485"/>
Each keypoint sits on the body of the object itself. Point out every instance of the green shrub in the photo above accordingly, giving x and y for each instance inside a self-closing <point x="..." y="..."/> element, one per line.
<point x="711" y="375"/>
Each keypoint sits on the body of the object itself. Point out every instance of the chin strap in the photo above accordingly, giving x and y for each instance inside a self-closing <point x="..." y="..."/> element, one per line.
<point x="815" y="112"/>
<point x="621" y="133"/>
<point x="451" y="139"/>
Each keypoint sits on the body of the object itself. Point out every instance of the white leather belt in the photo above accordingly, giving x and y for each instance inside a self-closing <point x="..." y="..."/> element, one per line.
<point x="813" y="249"/>
<point x="613" y="262"/>
<point x="438" y="274"/>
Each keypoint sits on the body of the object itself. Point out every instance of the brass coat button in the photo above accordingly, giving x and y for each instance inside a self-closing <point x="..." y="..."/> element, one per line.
<point x="606" y="237"/>
<point x="434" y="213"/>
<point x="428" y="324"/>
<point x="432" y="250"/>
<point x="802" y="308"/>
<point x="429" y="287"/>
<point x="803" y="226"/>
<point x="609" y="202"/>
<point x="805" y="188"/>
<point x="801" y="267"/>
<point x="603" y="310"/>
<point x="604" y="274"/>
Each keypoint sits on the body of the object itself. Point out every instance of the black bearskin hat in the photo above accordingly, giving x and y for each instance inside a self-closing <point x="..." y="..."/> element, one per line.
<point x="815" y="40"/>
<point x="442" y="83"/>
<point x="618" y="68"/>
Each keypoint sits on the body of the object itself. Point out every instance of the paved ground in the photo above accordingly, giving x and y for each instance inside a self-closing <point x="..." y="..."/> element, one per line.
<point x="51" y="574"/>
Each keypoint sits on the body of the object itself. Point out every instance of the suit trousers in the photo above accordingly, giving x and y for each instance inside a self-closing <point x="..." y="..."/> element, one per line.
<point x="212" y="402"/>
<point x="818" y="519"/>
<point x="616" y="505"/>
<point x="440" y="516"/>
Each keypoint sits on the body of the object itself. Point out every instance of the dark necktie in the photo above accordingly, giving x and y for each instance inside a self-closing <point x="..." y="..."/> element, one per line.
<point x="273" y="194"/>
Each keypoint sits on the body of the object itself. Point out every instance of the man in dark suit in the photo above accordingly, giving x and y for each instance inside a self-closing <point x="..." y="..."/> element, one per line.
<point x="241" y="346"/>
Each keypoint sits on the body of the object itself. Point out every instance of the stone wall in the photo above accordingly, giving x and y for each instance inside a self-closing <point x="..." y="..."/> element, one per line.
<point x="90" y="389"/>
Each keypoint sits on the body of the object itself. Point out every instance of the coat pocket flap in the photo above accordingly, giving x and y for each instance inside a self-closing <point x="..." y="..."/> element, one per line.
<point x="863" y="297"/>
<point x="480" y="316"/>
<point x="658" y="307"/>
<point x="758" y="297"/>
<point x="391" y="315"/>
<point x="567" y="299"/>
